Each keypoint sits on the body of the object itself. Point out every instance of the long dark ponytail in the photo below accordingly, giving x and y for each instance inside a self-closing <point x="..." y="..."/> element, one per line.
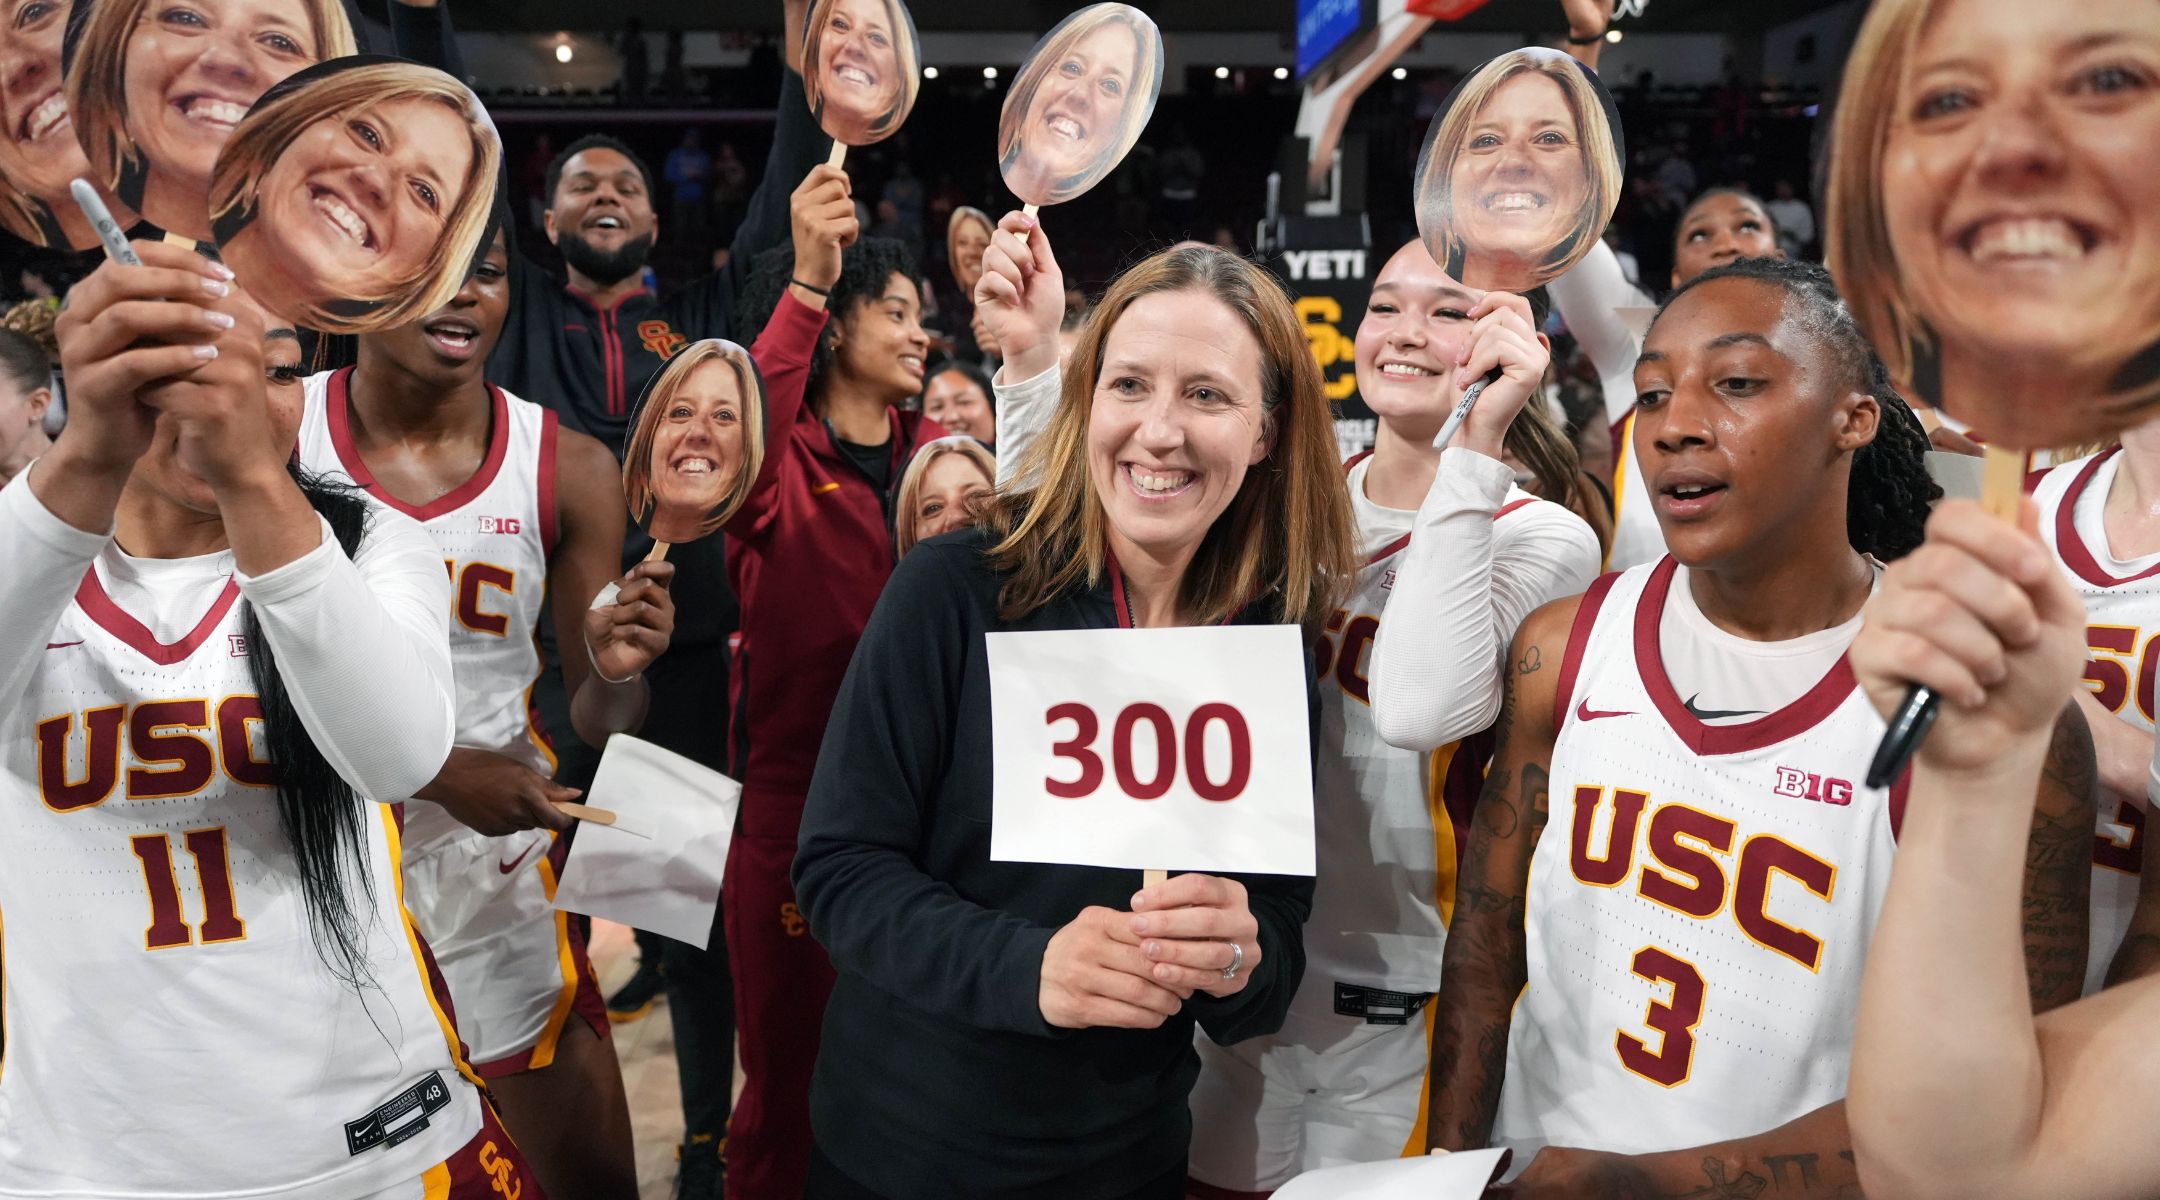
<point x="324" y="818"/>
<point x="1890" y="491"/>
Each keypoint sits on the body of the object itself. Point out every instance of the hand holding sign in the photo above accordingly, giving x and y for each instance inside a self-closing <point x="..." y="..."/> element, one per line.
<point x="1520" y="171"/>
<point x="860" y="70"/>
<point x="1079" y="103"/>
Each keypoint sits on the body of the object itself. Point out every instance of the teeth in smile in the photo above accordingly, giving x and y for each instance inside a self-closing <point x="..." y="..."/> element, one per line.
<point x="853" y="75"/>
<point x="456" y="337"/>
<point x="343" y="217"/>
<point x="1515" y="202"/>
<point x="1064" y="127"/>
<point x="607" y="223"/>
<point x="695" y="466"/>
<point x="1150" y="482"/>
<point x="214" y="112"/>
<point x="45" y="117"/>
<point x="1688" y="491"/>
<point x="2030" y="237"/>
<point x="1406" y="371"/>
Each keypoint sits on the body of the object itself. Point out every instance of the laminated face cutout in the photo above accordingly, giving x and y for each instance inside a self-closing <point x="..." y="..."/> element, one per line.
<point x="1079" y="103"/>
<point x="967" y="236"/>
<point x="1520" y="171"/>
<point x="697" y="442"/>
<point x="861" y="68"/>
<point x="157" y="86"/>
<point x="356" y="196"/>
<point x="1990" y="212"/>
<point x="38" y="151"/>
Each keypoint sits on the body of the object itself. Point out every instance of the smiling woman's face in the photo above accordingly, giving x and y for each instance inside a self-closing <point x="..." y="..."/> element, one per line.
<point x="2018" y="184"/>
<point x="1076" y="119"/>
<point x="38" y="150"/>
<point x="970" y="238"/>
<point x="858" y="68"/>
<point x="194" y="67"/>
<point x="360" y="199"/>
<point x="1518" y="181"/>
<point x="697" y="451"/>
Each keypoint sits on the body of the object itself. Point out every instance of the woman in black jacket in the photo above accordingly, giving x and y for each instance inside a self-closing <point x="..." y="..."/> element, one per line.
<point x="1014" y="1029"/>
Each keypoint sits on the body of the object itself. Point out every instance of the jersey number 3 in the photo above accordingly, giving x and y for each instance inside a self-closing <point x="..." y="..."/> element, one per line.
<point x="1674" y="1020"/>
<point x="213" y="876"/>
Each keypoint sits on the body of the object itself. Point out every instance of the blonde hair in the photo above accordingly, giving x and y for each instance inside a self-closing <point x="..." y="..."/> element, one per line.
<point x="1144" y="86"/>
<point x="1857" y="246"/>
<point x="1288" y="530"/>
<point x="637" y="458"/>
<point x="911" y="483"/>
<point x="97" y="85"/>
<point x="1598" y="143"/>
<point x="286" y="111"/>
<point x="907" y="53"/>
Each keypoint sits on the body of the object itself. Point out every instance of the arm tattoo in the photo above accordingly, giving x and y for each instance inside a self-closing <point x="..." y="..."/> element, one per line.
<point x="2058" y="866"/>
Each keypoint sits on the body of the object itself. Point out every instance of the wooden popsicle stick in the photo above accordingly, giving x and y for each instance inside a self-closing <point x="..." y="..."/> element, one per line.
<point x="1030" y="210"/>
<point x="658" y="552"/>
<point x="2002" y="482"/>
<point x="1151" y="877"/>
<point x="838" y="156"/>
<point x="586" y="812"/>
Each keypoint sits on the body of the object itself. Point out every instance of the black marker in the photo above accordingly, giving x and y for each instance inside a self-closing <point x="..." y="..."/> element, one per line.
<point x="1908" y="726"/>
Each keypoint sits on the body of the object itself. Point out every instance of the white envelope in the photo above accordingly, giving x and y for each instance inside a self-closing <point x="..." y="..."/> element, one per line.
<point x="1462" y="1176"/>
<point x="658" y="867"/>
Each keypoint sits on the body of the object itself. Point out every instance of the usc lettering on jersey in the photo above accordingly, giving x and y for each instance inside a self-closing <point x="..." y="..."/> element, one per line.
<point x="2122" y="627"/>
<point x="496" y="531"/>
<point x="1700" y="903"/>
<point x="156" y="935"/>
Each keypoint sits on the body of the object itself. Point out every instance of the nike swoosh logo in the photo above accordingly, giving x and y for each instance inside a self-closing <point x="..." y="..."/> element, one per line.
<point x="1702" y="714"/>
<point x="823" y="488"/>
<point x="1583" y="712"/>
<point x="512" y="865"/>
<point x="63" y="645"/>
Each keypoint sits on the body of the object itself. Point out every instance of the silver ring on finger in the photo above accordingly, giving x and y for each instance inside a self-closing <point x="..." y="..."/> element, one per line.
<point x="1237" y="961"/>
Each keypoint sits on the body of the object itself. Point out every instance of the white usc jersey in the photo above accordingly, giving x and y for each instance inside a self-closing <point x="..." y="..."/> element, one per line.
<point x="2122" y="623"/>
<point x="1701" y="900"/>
<point x="156" y="936"/>
<point x="496" y="531"/>
<point x="1388" y="821"/>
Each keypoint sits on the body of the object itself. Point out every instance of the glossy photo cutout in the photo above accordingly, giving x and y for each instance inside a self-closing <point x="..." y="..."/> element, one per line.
<point x="357" y="195"/>
<point x="967" y="236"/>
<point x="156" y="89"/>
<point x="1520" y="171"/>
<point x="1079" y="103"/>
<point x="696" y="442"/>
<point x="1989" y="211"/>
<point x="39" y="155"/>
<point x="865" y="68"/>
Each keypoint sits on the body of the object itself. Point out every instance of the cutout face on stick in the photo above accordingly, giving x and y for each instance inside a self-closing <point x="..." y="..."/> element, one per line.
<point x="1079" y="103"/>
<point x="1990" y="214"/>
<point x="157" y="86"/>
<point x="1520" y="171"/>
<point x="697" y="443"/>
<point x="356" y="196"/>
<point x="863" y="59"/>
<point x="39" y="155"/>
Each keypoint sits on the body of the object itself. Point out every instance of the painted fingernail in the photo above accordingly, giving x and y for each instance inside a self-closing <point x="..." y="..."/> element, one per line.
<point x="204" y="351"/>
<point x="217" y="287"/>
<point x="224" y="272"/>
<point x="221" y="320"/>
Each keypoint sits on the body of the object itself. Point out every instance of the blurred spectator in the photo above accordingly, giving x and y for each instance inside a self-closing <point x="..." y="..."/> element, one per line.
<point x="1795" y="220"/>
<point x="1181" y="169"/>
<point x="687" y="169"/>
<point x="1676" y="175"/>
<point x="532" y="179"/>
<point x="25" y="393"/>
<point x="957" y="396"/>
<point x="905" y="192"/>
<point x="731" y="190"/>
<point x="674" y="81"/>
<point x="1226" y="239"/>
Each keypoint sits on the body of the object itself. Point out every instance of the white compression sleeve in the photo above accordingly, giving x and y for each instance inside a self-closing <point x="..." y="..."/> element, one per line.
<point x="1023" y="412"/>
<point x="363" y="645"/>
<point x="45" y="559"/>
<point x="1463" y="587"/>
<point x="1588" y="297"/>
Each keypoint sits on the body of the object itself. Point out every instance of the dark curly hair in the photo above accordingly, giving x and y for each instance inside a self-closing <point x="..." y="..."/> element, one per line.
<point x="1887" y="500"/>
<point x="863" y="272"/>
